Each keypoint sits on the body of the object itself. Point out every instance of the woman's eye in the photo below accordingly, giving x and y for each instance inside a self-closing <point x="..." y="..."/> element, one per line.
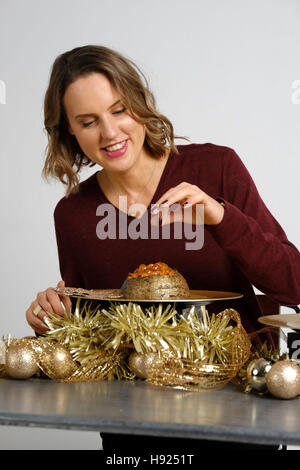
<point x="120" y="111"/>
<point x="86" y="124"/>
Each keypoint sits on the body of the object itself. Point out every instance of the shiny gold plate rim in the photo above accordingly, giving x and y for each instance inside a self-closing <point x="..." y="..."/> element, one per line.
<point x="114" y="294"/>
<point x="287" y="320"/>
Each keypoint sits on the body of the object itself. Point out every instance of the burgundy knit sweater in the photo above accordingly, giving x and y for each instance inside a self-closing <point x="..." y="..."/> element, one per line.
<point x="248" y="248"/>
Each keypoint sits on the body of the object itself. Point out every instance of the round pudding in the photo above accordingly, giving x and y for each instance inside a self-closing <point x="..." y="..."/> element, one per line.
<point x="154" y="282"/>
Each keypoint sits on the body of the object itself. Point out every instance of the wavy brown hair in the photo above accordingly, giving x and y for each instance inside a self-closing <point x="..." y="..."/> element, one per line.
<point x="64" y="156"/>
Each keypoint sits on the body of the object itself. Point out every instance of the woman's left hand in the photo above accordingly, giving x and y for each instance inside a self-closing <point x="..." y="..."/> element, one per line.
<point x="187" y="195"/>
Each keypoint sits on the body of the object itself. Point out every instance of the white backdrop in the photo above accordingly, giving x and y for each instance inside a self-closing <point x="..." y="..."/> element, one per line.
<point x="223" y="72"/>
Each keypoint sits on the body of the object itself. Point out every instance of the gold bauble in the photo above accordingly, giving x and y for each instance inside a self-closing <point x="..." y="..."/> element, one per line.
<point x="140" y="363"/>
<point x="283" y="379"/>
<point x="21" y="360"/>
<point x="56" y="361"/>
<point x="256" y="373"/>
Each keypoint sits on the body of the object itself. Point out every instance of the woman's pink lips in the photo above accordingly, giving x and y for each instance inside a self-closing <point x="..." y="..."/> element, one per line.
<point x="116" y="153"/>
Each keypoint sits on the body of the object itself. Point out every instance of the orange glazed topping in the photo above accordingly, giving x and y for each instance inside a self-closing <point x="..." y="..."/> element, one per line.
<point x="150" y="270"/>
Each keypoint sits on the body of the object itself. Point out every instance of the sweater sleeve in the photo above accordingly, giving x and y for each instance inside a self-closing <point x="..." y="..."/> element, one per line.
<point x="252" y="237"/>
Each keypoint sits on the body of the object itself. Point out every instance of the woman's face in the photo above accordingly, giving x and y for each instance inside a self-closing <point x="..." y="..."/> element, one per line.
<point x="98" y="119"/>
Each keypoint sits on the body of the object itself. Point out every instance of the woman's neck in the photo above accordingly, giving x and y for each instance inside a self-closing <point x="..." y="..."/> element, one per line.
<point x="143" y="176"/>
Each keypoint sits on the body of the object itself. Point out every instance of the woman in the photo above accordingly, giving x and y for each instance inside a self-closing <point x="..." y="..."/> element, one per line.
<point x="99" y="111"/>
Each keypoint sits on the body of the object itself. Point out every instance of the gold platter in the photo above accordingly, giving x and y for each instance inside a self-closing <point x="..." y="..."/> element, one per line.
<point x="199" y="296"/>
<point x="288" y="320"/>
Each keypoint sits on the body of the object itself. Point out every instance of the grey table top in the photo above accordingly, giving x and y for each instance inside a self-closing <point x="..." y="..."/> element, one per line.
<point x="138" y="408"/>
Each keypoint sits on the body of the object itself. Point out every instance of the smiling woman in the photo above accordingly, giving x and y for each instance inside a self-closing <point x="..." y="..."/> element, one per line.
<point x="108" y="131"/>
<point x="86" y="73"/>
<point x="99" y="111"/>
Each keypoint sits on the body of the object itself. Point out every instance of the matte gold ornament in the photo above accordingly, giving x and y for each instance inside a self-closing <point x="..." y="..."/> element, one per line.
<point x="139" y="364"/>
<point x="56" y="361"/>
<point x="283" y="379"/>
<point x="21" y="359"/>
<point x="256" y="373"/>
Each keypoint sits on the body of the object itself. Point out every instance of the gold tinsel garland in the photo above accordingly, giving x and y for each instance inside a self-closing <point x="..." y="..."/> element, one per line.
<point x="154" y="329"/>
<point x="208" y="373"/>
<point x="189" y="351"/>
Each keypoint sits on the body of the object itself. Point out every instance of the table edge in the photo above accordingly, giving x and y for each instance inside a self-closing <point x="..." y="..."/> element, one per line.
<point x="222" y="433"/>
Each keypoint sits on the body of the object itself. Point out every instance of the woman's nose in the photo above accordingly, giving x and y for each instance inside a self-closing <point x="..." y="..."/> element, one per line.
<point x="108" y="130"/>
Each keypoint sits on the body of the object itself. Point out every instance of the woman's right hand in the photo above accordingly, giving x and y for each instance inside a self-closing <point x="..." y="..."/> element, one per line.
<point x="48" y="301"/>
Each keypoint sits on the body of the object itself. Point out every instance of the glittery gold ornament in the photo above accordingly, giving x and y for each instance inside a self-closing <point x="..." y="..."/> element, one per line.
<point x="21" y="360"/>
<point x="56" y="361"/>
<point x="283" y="379"/>
<point x="256" y="373"/>
<point x="139" y="364"/>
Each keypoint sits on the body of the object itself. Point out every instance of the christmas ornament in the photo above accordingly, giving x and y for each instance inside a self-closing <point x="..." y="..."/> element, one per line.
<point x="212" y="348"/>
<point x="21" y="359"/>
<point x="139" y="364"/>
<point x="55" y="360"/>
<point x="283" y="379"/>
<point x="194" y="351"/>
<point x="256" y="373"/>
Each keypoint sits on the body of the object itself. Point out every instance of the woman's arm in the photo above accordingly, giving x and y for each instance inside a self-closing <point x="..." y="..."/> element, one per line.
<point x="245" y="229"/>
<point x="253" y="238"/>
